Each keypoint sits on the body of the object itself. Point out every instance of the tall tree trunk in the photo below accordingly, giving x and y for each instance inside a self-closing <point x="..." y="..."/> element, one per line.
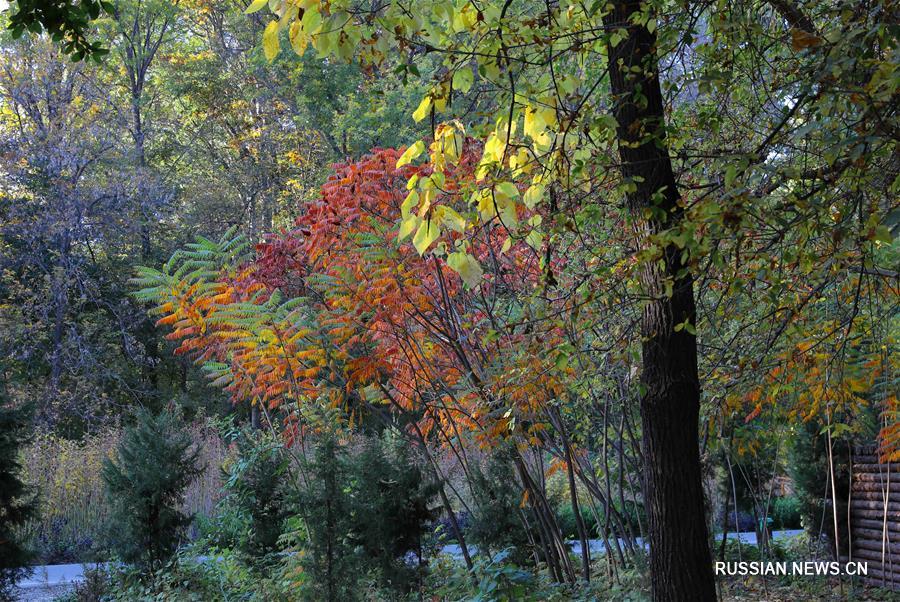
<point x="680" y="560"/>
<point x="147" y="331"/>
<point x="60" y="292"/>
<point x="140" y="160"/>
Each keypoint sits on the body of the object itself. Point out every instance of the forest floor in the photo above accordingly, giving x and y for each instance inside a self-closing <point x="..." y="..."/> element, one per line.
<point x="812" y="590"/>
<point x="48" y="582"/>
<point x="53" y="575"/>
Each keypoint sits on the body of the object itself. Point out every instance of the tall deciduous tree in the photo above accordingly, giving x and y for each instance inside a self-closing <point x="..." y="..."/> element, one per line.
<point x="670" y="401"/>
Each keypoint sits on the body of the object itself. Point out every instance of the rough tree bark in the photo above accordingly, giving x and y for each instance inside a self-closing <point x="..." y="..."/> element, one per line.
<point x="680" y="560"/>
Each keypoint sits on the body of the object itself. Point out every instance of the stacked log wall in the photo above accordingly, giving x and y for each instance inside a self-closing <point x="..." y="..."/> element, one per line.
<point x="875" y="517"/>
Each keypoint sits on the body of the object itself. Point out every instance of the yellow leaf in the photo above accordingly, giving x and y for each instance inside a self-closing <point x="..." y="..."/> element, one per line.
<point x="411" y="200"/>
<point x="422" y="111"/>
<point x="533" y="195"/>
<point x="255" y="6"/>
<point x="429" y="194"/>
<point x="411" y="153"/>
<point x="299" y="40"/>
<point x="485" y="201"/>
<point x="450" y="218"/>
<point x="506" y="208"/>
<point x="462" y="19"/>
<point x="493" y="148"/>
<point x="451" y="144"/>
<point x="466" y="266"/>
<point x="440" y="99"/>
<point x="498" y="202"/>
<point x="504" y="195"/>
<point x="288" y="15"/>
<point x="271" y="44"/>
<point x="520" y="162"/>
<point x="408" y="224"/>
<point x="425" y="235"/>
<point x="534" y="123"/>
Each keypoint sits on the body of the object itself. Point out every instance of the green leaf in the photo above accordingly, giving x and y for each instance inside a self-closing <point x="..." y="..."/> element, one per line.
<point x="883" y="234"/>
<point x="534" y="239"/>
<point x="463" y="79"/>
<point x="730" y="175"/>
<point x="562" y="359"/>
<point x="506" y="190"/>
<point x="312" y="20"/>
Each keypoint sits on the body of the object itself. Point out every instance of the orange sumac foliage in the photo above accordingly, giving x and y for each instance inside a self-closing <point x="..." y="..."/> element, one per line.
<point x="338" y="312"/>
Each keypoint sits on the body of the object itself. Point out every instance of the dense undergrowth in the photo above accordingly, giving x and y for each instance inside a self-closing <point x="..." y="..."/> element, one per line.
<point x="356" y="519"/>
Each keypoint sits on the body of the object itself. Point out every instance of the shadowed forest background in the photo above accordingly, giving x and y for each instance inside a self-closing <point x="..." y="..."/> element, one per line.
<point x="449" y="300"/>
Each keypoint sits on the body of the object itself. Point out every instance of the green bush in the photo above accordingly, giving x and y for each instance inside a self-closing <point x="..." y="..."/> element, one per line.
<point x="807" y="465"/>
<point x="391" y="508"/>
<point x="496" y="523"/>
<point x="226" y="528"/>
<point x="255" y="481"/>
<point x="737" y="550"/>
<point x="96" y="587"/>
<point x="632" y="517"/>
<point x="498" y="580"/>
<point x="786" y="512"/>
<point x="568" y="526"/>
<point x="329" y="562"/>
<point x="492" y="578"/>
<point x="223" y="577"/>
<point x="145" y="488"/>
<point x="362" y="517"/>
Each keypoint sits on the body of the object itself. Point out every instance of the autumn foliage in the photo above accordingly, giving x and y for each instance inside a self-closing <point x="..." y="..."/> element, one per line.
<point x="338" y="311"/>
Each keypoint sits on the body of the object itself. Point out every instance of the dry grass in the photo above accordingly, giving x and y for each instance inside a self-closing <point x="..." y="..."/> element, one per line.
<point x="73" y="511"/>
